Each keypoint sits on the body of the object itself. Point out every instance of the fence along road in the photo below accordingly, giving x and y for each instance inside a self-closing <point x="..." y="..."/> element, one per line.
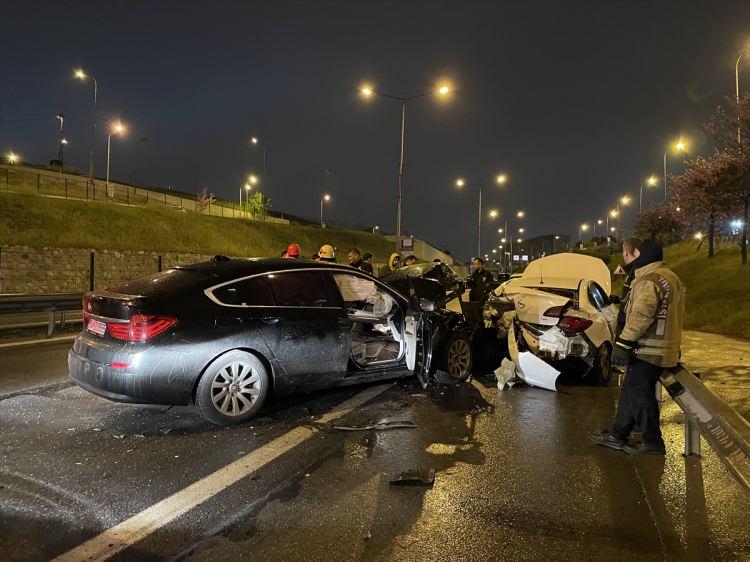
<point x="43" y="181"/>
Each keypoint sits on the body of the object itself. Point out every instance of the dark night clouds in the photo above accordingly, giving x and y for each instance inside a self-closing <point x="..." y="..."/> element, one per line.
<point x="575" y="100"/>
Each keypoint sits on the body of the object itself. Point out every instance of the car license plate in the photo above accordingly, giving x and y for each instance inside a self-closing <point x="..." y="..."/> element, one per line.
<point x="96" y="327"/>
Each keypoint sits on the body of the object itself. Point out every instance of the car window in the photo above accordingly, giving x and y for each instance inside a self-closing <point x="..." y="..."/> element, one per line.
<point x="354" y="288"/>
<point x="299" y="288"/>
<point x="254" y="291"/>
<point x="597" y="296"/>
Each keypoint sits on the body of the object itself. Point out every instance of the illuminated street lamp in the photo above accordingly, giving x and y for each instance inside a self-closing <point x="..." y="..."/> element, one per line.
<point x="12" y="157"/>
<point x="460" y="183"/>
<point x="581" y="229"/>
<point x="252" y="181"/>
<point x="81" y="75"/>
<point x="325" y="199"/>
<point x="625" y="200"/>
<point x="650" y="182"/>
<point x="61" y="139"/>
<point x="255" y="141"/>
<point x="375" y="229"/>
<point x="678" y="146"/>
<point x="500" y="230"/>
<point x="368" y="91"/>
<point x="118" y="129"/>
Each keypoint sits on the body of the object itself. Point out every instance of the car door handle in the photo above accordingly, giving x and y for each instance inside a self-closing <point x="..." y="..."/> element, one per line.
<point x="271" y="320"/>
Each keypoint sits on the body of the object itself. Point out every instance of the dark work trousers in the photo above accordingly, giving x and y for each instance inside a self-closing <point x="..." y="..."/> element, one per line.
<point x="637" y="405"/>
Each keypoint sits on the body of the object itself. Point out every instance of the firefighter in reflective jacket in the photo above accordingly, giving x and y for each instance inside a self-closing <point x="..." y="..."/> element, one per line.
<point x="648" y="343"/>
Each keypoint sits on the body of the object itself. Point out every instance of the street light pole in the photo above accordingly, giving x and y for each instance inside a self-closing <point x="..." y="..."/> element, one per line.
<point x="368" y="91"/>
<point x="737" y="93"/>
<point x="61" y="140"/>
<point x="81" y="75"/>
<point x="323" y="199"/>
<point x="257" y="141"/>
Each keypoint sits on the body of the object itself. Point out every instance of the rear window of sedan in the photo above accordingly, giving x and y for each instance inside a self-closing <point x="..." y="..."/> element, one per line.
<point x="162" y="283"/>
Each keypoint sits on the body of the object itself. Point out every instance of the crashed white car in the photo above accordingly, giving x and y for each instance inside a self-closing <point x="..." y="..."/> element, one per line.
<point x="559" y="317"/>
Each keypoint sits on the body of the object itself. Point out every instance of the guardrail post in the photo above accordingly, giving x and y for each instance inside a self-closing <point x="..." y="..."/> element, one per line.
<point x="50" y="322"/>
<point x="692" y="438"/>
<point x="159" y="263"/>
<point x="91" y="271"/>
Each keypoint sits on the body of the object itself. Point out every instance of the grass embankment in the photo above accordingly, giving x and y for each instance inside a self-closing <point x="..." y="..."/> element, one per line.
<point x="718" y="289"/>
<point x="38" y="221"/>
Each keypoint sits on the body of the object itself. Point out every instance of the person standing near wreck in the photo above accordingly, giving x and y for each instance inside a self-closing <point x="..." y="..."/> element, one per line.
<point x="479" y="282"/>
<point x="648" y="343"/>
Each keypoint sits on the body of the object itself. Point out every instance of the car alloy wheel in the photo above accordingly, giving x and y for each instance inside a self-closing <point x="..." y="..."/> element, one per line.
<point x="235" y="388"/>
<point x="459" y="358"/>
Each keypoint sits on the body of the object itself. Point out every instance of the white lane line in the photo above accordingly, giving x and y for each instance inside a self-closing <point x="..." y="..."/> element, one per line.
<point x="132" y="530"/>
<point x="39" y="341"/>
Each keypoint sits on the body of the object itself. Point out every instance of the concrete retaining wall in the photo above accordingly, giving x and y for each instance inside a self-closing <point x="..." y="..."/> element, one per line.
<point x="67" y="270"/>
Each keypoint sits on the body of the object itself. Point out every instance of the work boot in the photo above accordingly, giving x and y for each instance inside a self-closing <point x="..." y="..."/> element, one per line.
<point x="606" y="439"/>
<point x="643" y="449"/>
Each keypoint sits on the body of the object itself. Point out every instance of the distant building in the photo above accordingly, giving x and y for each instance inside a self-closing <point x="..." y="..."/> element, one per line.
<point x="545" y="245"/>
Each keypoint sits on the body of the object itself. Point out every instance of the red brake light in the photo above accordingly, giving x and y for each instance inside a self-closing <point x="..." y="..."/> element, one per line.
<point x="573" y="325"/>
<point x="141" y="327"/>
<point x="554" y="312"/>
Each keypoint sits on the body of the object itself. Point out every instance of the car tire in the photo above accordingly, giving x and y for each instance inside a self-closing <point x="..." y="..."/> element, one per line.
<point x="458" y="357"/>
<point x="601" y="373"/>
<point x="232" y="389"/>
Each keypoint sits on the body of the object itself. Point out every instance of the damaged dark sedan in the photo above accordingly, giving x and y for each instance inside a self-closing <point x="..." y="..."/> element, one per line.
<point x="224" y="334"/>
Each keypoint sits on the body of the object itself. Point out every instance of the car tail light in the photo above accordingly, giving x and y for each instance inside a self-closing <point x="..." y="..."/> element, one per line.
<point x="554" y="312"/>
<point x="573" y="325"/>
<point x="141" y="327"/>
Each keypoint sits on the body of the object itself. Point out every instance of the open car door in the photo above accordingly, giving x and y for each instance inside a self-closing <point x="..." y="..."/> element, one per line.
<point x="418" y="338"/>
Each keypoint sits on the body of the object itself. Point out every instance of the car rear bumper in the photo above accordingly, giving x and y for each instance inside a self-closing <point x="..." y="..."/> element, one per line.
<point x="137" y="386"/>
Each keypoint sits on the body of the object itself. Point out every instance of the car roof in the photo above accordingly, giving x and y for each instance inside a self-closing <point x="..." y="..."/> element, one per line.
<point x="223" y="268"/>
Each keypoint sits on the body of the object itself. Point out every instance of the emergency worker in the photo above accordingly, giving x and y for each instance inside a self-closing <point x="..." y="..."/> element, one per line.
<point x="327" y="253"/>
<point x="410" y="260"/>
<point x="479" y="282"/>
<point x="648" y="343"/>
<point x="293" y="252"/>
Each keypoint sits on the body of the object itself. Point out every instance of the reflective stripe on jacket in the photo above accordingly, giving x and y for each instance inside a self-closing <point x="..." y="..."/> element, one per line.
<point x="654" y="310"/>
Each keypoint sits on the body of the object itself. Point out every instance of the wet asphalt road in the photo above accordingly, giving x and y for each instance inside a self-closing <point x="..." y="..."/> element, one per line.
<point x="515" y="477"/>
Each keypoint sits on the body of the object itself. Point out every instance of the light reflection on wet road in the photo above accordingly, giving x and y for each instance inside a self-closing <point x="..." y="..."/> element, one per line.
<point x="516" y="479"/>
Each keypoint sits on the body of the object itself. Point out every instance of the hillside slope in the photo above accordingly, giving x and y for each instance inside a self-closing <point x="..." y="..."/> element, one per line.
<point x="38" y="221"/>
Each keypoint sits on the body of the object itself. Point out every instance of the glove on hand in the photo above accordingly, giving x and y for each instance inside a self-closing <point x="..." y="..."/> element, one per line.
<point x="623" y="352"/>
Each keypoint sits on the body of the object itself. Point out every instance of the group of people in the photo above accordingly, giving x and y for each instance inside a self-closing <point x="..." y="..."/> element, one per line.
<point x="355" y="258"/>
<point x="327" y="253"/>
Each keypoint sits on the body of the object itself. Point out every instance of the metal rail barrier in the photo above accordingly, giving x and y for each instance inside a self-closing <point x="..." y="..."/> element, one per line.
<point x="50" y="304"/>
<point x="709" y="416"/>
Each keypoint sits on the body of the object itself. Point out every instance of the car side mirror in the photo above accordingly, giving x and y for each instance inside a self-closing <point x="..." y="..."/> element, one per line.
<point x="426" y="305"/>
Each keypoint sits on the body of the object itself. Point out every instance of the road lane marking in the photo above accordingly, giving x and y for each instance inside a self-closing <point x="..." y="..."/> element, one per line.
<point x="141" y="525"/>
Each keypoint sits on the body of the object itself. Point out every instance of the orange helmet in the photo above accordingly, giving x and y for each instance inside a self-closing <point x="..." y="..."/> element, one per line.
<point x="293" y="250"/>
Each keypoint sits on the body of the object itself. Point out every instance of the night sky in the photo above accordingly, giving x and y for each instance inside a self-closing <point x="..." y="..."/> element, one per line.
<point x="576" y="101"/>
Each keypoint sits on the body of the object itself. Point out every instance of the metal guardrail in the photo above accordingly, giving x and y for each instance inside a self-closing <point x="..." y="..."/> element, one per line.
<point x="50" y="304"/>
<point x="709" y="416"/>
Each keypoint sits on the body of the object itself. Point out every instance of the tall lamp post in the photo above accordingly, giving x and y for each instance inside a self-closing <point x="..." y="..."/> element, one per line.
<point x="500" y="179"/>
<point x="255" y="141"/>
<point x="737" y="92"/>
<point x="117" y="128"/>
<point x="679" y="146"/>
<point x="369" y="91"/>
<point x="81" y="75"/>
<point x="583" y="227"/>
<point x="509" y="236"/>
<point x="325" y="199"/>
<point x="650" y="181"/>
<point x="61" y="140"/>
